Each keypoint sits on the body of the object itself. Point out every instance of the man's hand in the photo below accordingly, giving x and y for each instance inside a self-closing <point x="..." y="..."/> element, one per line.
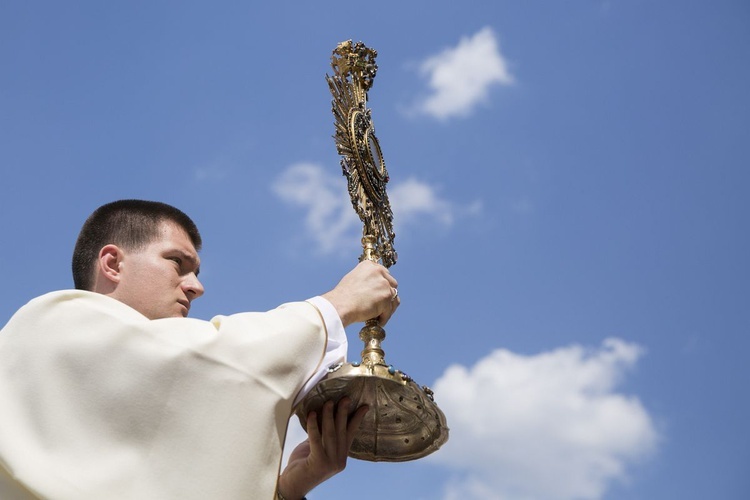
<point x="367" y="292"/>
<point x="324" y="453"/>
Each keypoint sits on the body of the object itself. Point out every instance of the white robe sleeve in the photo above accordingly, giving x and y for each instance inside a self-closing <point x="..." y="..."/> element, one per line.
<point x="336" y="348"/>
<point x="100" y="402"/>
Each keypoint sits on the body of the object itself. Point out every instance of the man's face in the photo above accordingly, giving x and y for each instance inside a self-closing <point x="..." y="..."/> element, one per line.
<point x="161" y="280"/>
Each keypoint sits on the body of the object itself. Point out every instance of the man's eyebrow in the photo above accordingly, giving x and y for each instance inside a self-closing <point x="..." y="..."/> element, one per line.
<point x="193" y="260"/>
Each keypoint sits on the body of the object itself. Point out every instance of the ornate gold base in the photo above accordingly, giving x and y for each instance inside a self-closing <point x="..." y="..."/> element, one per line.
<point x="403" y="423"/>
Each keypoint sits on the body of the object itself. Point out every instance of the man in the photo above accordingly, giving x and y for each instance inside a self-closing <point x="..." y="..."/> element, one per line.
<point x="109" y="391"/>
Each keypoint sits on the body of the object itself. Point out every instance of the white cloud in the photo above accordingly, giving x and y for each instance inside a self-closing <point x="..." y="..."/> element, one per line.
<point x="414" y="199"/>
<point x="460" y="77"/>
<point x="330" y="219"/>
<point x="549" y="426"/>
<point x="332" y="222"/>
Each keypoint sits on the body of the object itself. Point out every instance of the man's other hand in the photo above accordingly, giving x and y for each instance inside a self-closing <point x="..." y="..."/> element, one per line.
<point x="324" y="453"/>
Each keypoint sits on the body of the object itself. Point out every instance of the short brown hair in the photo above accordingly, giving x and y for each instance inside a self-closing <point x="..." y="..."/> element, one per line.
<point x="130" y="224"/>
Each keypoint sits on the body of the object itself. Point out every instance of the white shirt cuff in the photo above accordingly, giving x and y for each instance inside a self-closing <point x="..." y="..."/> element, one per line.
<point x="336" y="347"/>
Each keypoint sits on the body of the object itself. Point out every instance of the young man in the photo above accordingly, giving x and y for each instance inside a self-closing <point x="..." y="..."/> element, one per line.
<point x="110" y="391"/>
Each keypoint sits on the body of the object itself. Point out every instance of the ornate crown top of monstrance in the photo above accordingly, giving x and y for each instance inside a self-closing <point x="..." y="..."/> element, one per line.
<point x="403" y="423"/>
<point x="362" y="162"/>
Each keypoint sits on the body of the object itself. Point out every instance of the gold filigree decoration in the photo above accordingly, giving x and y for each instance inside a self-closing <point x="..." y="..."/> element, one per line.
<point x="362" y="162"/>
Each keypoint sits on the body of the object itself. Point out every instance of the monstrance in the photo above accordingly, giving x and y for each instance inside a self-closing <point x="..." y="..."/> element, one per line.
<point x="403" y="423"/>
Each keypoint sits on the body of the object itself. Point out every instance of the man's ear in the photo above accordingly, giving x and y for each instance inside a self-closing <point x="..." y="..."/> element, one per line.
<point x="110" y="262"/>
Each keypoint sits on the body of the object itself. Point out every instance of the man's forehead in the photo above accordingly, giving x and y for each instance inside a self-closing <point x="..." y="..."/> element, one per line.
<point x="175" y="236"/>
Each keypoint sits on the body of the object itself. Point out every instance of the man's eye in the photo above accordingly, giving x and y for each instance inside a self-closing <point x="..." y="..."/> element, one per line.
<point x="177" y="260"/>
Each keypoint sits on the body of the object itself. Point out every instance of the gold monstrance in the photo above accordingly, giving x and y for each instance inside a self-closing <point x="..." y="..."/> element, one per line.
<point x="403" y="423"/>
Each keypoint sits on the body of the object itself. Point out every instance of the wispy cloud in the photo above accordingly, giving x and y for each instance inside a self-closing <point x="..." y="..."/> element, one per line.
<point x="210" y="173"/>
<point x="413" y="199"/>
<point x="545" y="426"/>
<point x="460" y="77"/>
<point x="330" y="219"/>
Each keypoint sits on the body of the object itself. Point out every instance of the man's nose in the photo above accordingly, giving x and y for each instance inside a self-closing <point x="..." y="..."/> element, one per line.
<point x="192" y="286"/>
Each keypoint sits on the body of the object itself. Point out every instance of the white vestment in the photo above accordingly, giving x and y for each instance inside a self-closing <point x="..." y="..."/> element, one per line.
<point x="99" y="402"/>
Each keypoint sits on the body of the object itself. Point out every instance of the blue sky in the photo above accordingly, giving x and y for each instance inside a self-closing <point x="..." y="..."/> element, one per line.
<point x="569" y="185"/>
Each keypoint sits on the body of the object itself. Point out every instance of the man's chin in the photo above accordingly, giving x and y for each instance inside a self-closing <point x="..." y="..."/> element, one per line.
<point x="183" y="312"/>
<point x="179" y="312"/>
